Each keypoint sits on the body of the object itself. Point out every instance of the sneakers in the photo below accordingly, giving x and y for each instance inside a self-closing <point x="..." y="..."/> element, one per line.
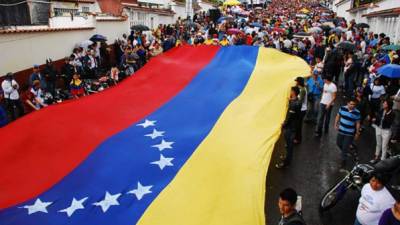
<point x="281" y="165"/>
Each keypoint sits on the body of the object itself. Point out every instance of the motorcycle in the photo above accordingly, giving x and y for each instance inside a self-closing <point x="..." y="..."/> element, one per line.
<point x="356" y="179"/>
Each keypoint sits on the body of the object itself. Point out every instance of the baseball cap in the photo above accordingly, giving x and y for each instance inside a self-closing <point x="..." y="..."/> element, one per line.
<point x="36" y="66"/>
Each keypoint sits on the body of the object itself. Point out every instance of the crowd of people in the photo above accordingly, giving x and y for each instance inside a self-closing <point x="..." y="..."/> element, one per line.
<point x="344" y="58"/>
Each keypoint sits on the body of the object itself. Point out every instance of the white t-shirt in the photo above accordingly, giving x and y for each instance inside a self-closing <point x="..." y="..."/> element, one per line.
<point x="372" y="204"/>
<point x="377" y="91"/>
<point x="327" y="94"/>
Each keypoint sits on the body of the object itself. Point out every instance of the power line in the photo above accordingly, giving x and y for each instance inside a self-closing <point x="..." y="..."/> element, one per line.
<point x="19" y="3"/>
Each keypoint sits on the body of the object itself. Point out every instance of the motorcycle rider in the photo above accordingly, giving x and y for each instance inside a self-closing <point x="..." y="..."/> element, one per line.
<point x="375" y="199"/>
<point x="287" y="207"/>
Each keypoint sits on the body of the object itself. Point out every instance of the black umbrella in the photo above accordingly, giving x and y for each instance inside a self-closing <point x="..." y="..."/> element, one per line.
<point x="140" y="28"/>
<point x="346" y="45"/>
<point x="98" y="37"/>
<point x="362" y="25"/>
<point x="326" y="28"/>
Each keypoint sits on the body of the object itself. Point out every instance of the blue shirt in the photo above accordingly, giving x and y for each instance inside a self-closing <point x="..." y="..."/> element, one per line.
<point x="312" y="87"/>
<point x="348" y="120"/>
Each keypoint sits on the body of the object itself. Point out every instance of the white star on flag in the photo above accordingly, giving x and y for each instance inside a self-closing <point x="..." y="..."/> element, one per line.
<point x="108" y="201"/>
<point x="147" y="123"/>
<point x="140" y="191"/>
<point x="38" y="206"/>
<point x="163" y="145"/>
<point x="75" y="205"/>
<point x="163" y="162"/>
<point x="155" y="134"/>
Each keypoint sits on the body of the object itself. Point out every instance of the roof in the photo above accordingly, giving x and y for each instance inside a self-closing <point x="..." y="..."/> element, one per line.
<point x="386" y="12"/>
<point x="341" y="2"/>
<point x="42" y="29"/>
<point x="112" y="7"/>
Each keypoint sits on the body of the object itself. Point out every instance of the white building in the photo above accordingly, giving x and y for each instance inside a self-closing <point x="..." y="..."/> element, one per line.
<point x="382" y="16"/>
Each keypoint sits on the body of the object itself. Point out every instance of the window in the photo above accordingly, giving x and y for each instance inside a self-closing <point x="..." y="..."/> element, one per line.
<point x="85" y="9"/>
<point x="64" y="11"/>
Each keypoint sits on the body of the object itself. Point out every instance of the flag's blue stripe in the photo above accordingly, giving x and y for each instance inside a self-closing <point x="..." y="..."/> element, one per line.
<point x="124" y="159"/>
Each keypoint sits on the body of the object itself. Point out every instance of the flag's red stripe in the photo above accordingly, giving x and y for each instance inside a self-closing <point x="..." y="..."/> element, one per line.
<point x="40" y="149"/>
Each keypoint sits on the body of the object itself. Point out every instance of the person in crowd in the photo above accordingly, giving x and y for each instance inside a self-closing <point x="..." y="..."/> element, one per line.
<point x="391" y="216"/>
<point x="327" y="100"/>
<point x="382" y="124"/>
<point x="50" y="74"/>
<point x="11" y="96"/>
<point x="315" y="85"/>
<point x="90" y="64"/>
<point x="287" y="207"/>
<point x="76" y="86"/>
<point x="396" y="124"/>
<point x="362" y="106"/>
<point x="375" y="199"/>
<point x="303" y="100"/>
<point x="3" y="113"/>
<point x="155" y="49"/>
<point x="289" y="126"/>
<point x="377" y="94"/>
<point x="38" y="94"/>
<point x="347" y="123"/>
<point x="37" y="75"/>
<point x="29" y="101"/>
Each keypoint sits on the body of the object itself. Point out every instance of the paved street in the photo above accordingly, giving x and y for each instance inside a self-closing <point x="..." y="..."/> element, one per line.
<point x="314" y="170"/>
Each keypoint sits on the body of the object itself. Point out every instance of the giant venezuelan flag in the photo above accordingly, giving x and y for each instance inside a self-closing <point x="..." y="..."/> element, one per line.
<point x="187" y="140"/>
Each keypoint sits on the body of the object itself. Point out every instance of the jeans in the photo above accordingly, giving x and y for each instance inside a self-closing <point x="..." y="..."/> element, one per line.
<point x="349" y="84"/>
<point x="299" y="127"/>
<point x="324" y="118"/>
<point x="344" y="142"/>
<point x="313" y="108"/>
<point x="289" y="137"/>
<point x="382" y="141"/>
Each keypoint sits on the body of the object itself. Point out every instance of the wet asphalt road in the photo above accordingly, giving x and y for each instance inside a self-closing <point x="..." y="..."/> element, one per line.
<point x="314" y="169"/>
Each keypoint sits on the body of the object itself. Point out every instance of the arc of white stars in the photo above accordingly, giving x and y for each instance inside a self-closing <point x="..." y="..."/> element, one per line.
<point x="155" y="134"/>
<point x="38" y="206"/>
<point x="163" y="145"/>
<point x="75" y="205"/>
<point x="163" y="162"/>
<point x="108" y="201"/>
<point x="147" y="123"/>
<point x="141" y="190"/>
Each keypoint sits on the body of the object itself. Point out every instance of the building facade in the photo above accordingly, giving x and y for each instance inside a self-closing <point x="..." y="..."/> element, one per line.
<point x="383" y="16"/>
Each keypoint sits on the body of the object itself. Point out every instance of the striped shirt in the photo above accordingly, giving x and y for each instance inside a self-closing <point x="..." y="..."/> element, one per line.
<point x="348" y="120"/>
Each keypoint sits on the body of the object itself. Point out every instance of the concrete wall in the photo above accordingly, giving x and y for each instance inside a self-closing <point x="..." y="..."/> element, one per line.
<point x="66" y="21"/>
<point x="179" y="9"/>
<point x="206" y="6"/>
<point x="19" y="51"/>
<point x="341" y="9"/>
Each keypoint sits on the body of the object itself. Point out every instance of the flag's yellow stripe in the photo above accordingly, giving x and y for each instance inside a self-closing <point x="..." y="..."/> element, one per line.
<point x="223" y="183"/>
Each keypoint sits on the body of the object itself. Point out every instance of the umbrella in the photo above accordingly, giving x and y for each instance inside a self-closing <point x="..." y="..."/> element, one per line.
<point x="304" y="10"/>
<point x="338" y="30"/>
<point x="390" y="70"/>
<point x="301" y="15"/>
<point x="85" y="44"/>
<point x="325" y="28"/>
<point x="231" y="2"/>
<point x="391" y="47"/>
<point x="140" y="27"/>
<point x="315" y="30"/>
<point x="234" y="31"/>
<point x="329" y="24"/>
<point x="362" y="25"/>
<point x="255" y="24"/>
<point x="346" y="45"/>
<point x="98" y="37"/>
<point x="301" y="34"/>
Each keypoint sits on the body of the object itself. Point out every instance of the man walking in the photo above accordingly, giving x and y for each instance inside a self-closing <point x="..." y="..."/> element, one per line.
<point x="348" y="125"/>
<point x="325" y="106"/>
<point x="289" y="126"/>
<point x="287" y="207"/>
<point x="10" y="88"/>
<point x="315" y="85"/>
